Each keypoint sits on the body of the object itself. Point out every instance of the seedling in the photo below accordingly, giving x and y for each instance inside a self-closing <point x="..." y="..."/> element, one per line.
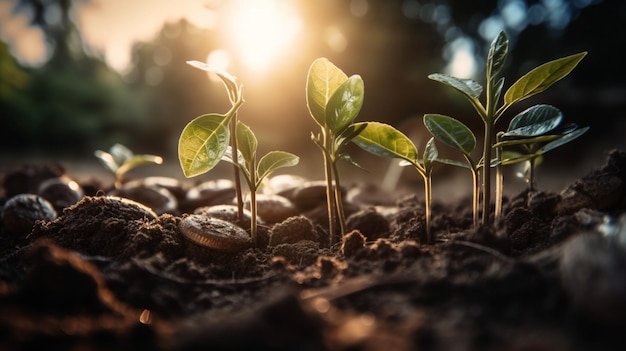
<point x="205" y="139"/>
<point x="120" y="159"/>
<point x="533" y="82"/>
<point x="384" y="140"/>
<point x="459" y="137"/>
<point x="334" y="101"/>
<point x="254" y="172"/>
<point x="531" y="134"/>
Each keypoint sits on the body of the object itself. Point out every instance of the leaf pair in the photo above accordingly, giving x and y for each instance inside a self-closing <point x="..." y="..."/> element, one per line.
<point x="253" y="172"/>
<point x="204" y="141"/>
<point x="120" y="159"/>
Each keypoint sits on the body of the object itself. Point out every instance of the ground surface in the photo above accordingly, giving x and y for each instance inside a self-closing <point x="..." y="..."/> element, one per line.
<point x="108" y="275"/>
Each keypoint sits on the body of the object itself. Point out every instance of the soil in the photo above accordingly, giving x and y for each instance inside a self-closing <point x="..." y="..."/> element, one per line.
<point x="108" y="274"/>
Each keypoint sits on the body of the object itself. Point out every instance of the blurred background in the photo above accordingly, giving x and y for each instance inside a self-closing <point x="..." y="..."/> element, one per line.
<point x="81" y="75"/>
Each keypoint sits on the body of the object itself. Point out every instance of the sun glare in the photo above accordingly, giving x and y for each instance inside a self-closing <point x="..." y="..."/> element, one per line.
<point x="260" y="29"/>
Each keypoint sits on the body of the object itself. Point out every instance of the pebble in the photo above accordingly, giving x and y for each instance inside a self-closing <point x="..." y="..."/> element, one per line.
<point x="212" y="192"/>
<point x="283" y="184"/>
<point x="61" y="192"/>
<point x="21" y="211"/>
<point x="158" y="199"/>
<point x="311" y="194"/>
<point x="214" y="233"/>
<point x="174" y="185"/>
<point x="273" y="208"/>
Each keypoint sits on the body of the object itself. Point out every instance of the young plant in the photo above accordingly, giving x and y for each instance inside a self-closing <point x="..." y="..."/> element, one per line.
<point x="254" y="172"/>
<point x="334" y="100"/>
<point x="384" y="140"/>
<point x="120" y="159"/>
<point x="459" y="137"/>
<point x="531" y="134"/>
<point x="204" y="140"/>
<point x="533" y="82"/>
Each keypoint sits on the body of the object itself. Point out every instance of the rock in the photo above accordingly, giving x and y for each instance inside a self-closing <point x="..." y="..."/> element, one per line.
<point x="311" y="194"/>
<point x="283" y="184"/>
<point x="20" y="213"/>
<point x="61" y="192"/>
<point x="158" y="199"/>
<point x="214" y="233"/>
<point x="273" y="208"/>
<point x="212" y="192"/>
<point x="369" y="222"/>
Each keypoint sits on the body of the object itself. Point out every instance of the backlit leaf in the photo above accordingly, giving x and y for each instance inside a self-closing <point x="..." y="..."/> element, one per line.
<point x="497" y="54"/>
<point x="534" y="121"/>
<point x="202" y="143"/>
<point x="384" y="140"/>
<point x="541" y="78"/>
<point x="229" y="81"/>
<point x="246" y="142"/>
<point x="564" y="139"/>
<point x="468" y="87"/>
<point x="345" y="103"/>
<point x="322" y="80"/>
<point x="430" y="154"/>
<point x="137" y="160"/>
<point x="274" y="160"/>
<point x="451" y="132"/>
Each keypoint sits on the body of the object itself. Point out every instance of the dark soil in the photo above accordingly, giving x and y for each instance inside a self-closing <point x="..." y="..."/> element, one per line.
<point x="107" y="274"/>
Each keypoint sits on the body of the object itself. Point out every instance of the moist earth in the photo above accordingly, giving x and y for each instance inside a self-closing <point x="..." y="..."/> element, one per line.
<point x="105" y="273"/>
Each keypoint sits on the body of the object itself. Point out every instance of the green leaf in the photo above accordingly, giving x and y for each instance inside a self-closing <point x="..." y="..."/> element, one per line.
<point x="322" y="81"/>
<point x="138" y="160"/>
<point x="534" y="121"/>
<point x="272" y="161"/>
<point x="453" y="163"/>
<point x="246" y="142"/>
<point x="202" y="143"/>
<point x="541" y="78"/>
<point x="229" y="81"/>
<point x="497" y="55"/>
<point x="345" y="103"/>
<point x="564" y="139"/>
<point x="527" y="141"/>
<point x="120" y="153"/>
<point x="470" y="88"/>
<point x="347" y="135"/>
<point x="451" y="132"/>
<point x="384" y="140"/>
<point x="107" y="160"/>
<point x="430" y="155"/>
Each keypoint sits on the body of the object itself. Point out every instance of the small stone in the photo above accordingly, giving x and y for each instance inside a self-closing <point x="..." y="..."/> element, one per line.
<point x="212" y="192"/>
<point x="283" y="184"/>
<point x="274" y="208"/>
<point x="215" y="233"/>
<point x="311" y="194"/>
<point x="61" y="192"/>
<point x="158" y="199"/>
<point x="172" y="184"/>
<point x="20" y="213"/>
<point x="292" y="230"/>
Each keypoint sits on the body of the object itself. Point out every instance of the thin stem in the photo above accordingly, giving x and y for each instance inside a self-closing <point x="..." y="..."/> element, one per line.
<point x="235" y="150"/>
<point x="427" y="206"/>
<point x="499" y="179"/>
<point x="531" y="175"/>
<point x="330" y="200"/>
<point x="486" y="184"/>
<point x="338" y="200"/>
<point x="253" y="221"/>
<point x="475" y="189"/>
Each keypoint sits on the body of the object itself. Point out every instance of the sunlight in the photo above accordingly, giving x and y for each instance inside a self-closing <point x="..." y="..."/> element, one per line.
<point x="260" y="29"/>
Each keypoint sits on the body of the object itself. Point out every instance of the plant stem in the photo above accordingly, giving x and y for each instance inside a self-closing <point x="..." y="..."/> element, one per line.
<point x="338" y="199"/>
<point x="235" y="150"/>
<point x="427" y="207"/>
<point x="330" y="200"/>
<point x="253" y="215"/>
<point x="531" y="175"/>
<point x="486" y="184"/>
<point x="499" y="179"/>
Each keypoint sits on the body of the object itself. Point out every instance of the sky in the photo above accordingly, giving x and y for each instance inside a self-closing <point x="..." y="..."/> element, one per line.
<point x="112" y="26"/>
